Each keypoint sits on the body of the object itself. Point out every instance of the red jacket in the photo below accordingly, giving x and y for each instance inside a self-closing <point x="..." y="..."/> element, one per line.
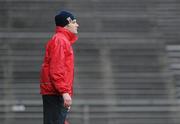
<point x="57" y="72"/>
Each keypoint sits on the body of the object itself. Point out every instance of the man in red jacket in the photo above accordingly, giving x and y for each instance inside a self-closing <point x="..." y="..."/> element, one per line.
<point x="57" y="72"/>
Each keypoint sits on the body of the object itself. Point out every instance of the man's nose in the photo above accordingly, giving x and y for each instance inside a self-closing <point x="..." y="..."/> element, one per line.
<point x="77" y="24"/>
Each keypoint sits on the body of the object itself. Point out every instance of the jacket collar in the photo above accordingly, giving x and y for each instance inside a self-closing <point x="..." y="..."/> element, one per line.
<point x="70" y="36"/>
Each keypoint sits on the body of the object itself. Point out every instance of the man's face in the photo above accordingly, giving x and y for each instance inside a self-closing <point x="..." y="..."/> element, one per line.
<point x="72" y="26"/>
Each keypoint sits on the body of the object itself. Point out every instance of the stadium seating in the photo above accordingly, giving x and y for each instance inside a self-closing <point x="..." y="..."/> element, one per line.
<point x="126" y="60"/>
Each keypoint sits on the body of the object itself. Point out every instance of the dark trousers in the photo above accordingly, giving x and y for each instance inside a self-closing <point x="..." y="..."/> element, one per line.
<point x="54" y="111"/>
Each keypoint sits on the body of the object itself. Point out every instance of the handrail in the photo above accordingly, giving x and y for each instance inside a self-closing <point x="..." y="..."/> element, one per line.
<point x="81" y="35"/>
<point x="101" y="102"/>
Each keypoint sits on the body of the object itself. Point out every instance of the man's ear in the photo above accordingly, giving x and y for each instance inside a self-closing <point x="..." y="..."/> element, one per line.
<point x="67" y="26"/>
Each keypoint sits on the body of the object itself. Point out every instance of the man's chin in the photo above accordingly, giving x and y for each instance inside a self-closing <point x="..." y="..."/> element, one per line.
<point x="75" y="32"/>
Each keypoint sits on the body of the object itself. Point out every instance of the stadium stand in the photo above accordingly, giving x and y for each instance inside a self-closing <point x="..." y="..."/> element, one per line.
<point x="127" y="60"/>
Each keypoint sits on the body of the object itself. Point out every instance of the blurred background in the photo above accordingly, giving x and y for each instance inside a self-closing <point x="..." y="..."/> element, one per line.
<point x="127" y="60"/>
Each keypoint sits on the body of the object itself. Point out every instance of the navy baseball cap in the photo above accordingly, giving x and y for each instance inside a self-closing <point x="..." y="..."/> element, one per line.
<point x="63" y="18"/>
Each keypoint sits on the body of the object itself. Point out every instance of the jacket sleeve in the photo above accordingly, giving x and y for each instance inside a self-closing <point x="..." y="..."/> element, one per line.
<point x="58" y="69"/>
